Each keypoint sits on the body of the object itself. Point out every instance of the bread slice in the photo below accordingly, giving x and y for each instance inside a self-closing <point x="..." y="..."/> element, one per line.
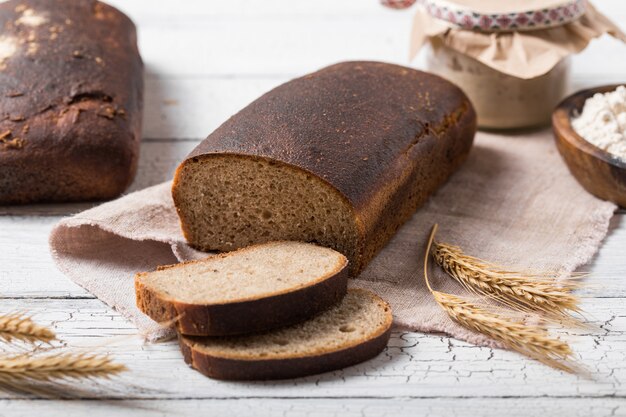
<point x="350" y="332"/>
<point x="250" y="290"/>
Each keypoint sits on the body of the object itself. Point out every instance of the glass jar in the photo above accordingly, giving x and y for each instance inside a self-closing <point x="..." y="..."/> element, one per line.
<point x="501" y="101"/>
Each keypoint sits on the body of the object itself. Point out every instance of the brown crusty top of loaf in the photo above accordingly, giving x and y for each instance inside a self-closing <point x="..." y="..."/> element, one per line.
<point x="71" y="86"/>
<point x="316" y="126"/>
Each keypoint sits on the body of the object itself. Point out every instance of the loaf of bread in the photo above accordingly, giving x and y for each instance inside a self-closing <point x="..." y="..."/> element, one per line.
<point x="341" y="157"/>
<point x="350" y="332"/>
<point x="71" y="85"/>
<point x="250" y="290"/>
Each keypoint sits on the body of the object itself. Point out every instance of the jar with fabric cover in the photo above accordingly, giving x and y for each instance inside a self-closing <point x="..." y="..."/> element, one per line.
<point x="511" y="58"/>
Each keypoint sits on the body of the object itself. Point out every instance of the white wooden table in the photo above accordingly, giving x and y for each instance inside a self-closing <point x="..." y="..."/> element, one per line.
<point x="205" y="59"/>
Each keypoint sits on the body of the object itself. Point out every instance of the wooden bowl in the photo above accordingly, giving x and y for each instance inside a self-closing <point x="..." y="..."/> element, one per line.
<point x="601" y="173"/>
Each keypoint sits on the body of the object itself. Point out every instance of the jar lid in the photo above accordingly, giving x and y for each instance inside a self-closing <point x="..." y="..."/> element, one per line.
<point x="505" y="16"/>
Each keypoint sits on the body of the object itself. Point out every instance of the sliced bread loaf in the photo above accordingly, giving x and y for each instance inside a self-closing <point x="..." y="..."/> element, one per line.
<point x="250" y="290"/>
<point x="343" y="157"/>
<point x="350" y="332"/>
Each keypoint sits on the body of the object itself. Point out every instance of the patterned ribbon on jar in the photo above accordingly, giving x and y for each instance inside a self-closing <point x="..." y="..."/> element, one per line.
<point x="465" y="18"/>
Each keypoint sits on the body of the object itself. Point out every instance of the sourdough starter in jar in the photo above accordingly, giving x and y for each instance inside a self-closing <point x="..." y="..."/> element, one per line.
<point x="501" y="101"/>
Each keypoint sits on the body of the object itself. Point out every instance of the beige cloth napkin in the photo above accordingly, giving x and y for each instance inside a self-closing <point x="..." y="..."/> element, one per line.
<point x="513" y="202"/>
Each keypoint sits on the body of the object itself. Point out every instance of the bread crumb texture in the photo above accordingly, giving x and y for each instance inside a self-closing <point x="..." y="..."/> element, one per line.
<point x="261" y="209"/>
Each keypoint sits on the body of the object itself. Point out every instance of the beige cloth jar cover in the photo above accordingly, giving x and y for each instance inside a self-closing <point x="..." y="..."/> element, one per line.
<point x="523" y="54"/>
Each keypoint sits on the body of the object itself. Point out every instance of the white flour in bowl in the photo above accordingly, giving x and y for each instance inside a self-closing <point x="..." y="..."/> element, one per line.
<point x="603" y="121"/>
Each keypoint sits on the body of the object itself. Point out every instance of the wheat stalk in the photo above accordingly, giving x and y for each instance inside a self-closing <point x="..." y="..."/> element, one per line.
<point x="524" y="291"/>
<point x="530" y="340"/>
<point x="60" y="366"/>
<point x="17" y="326"/>
<point x="44" y="376"/>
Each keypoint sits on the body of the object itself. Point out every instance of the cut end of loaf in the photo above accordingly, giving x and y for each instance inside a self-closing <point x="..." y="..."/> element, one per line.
<point x="227" y="202"/>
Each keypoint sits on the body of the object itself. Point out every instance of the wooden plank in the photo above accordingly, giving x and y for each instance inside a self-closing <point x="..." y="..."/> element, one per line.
<point x="235" y="46"/>
<point x="414" y="365"/>
<point x="26" y="267"/>
<point x="232" y="38"/>
<point x="241" y="31"/>
<point x="354" y="407"/>
<point x="199" y="51"/>
<point x="608" y="267"/>
<point x="190" y="109"/>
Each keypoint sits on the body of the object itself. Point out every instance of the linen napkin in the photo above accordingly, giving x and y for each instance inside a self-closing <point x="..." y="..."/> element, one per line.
<point x="513" y="202"/>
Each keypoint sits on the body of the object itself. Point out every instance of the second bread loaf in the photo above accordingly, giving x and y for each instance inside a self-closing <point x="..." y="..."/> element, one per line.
<point x="71" y="99"/>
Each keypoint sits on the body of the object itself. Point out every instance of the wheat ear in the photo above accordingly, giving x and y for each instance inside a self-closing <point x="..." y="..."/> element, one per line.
<point x="528" y="292"/>
<point x="20" y="327"/>
<point x="530" y="340"/>
<point x="61" y="366"/>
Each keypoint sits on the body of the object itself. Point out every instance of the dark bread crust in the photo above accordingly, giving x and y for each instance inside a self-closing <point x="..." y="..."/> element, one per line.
<point x="71" y="98"/>
<point x="250" y="316"/>
<point x="384" y="136"/>
<point x="241" y="369"/>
